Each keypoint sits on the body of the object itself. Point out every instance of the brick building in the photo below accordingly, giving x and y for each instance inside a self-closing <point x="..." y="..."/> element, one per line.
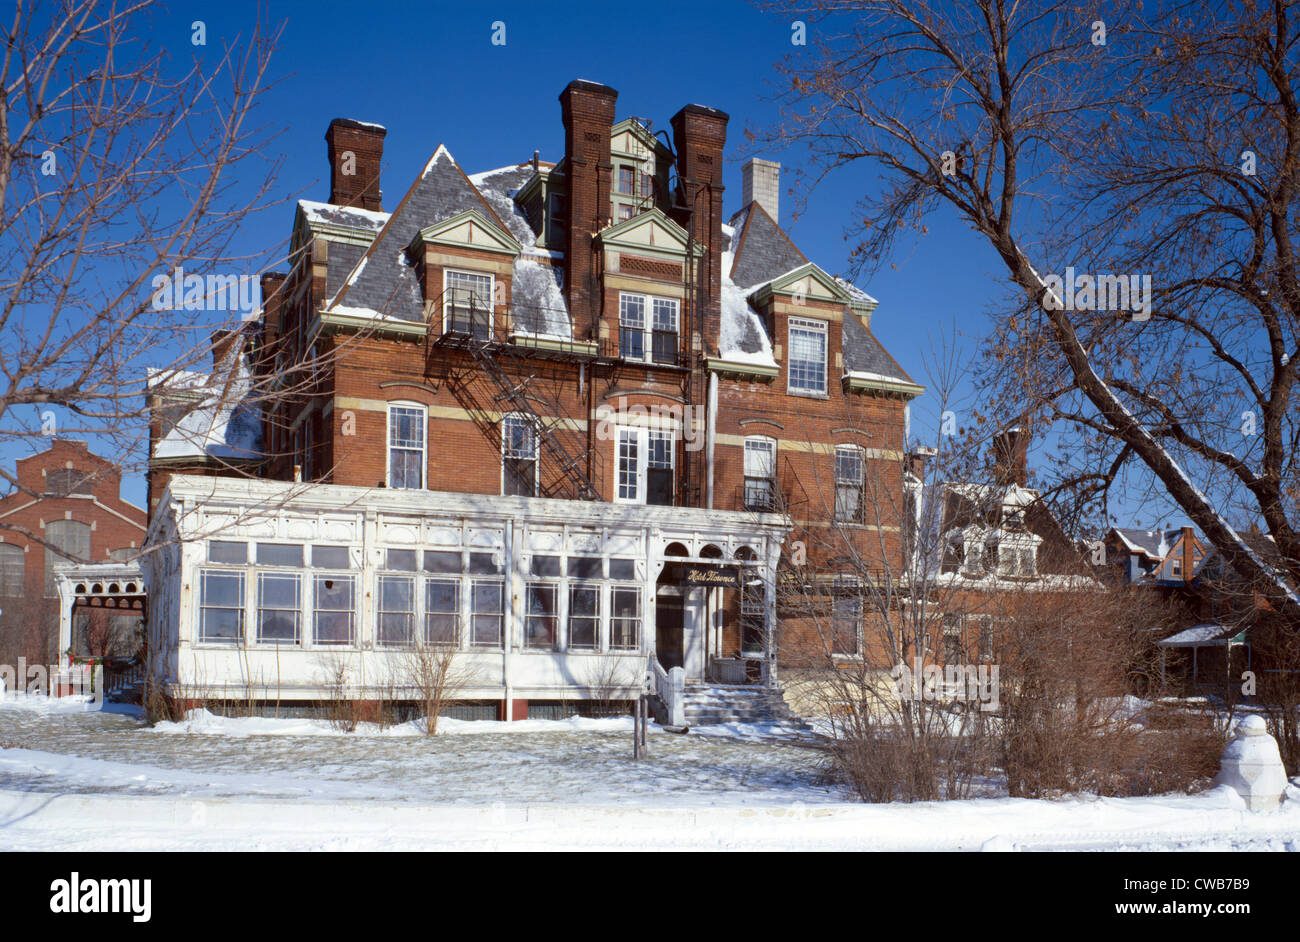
<point x="559" y="416"/>
<point x="70" y="499"/>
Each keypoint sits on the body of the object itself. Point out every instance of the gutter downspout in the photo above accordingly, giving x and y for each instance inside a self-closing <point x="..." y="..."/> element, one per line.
<point x="710" y="435"/>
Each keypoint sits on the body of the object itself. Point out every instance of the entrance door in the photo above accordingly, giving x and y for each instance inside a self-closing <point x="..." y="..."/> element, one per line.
<point x="669" y="623"/>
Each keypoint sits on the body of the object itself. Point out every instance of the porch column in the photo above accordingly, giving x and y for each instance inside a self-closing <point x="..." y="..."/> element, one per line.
<point x="773" y="559"/>
<point x="67" y="598"/>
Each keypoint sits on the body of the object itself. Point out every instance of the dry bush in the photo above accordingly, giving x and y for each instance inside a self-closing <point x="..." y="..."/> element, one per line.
<point x="342" y="710"/>
<point x="437" y="677"/>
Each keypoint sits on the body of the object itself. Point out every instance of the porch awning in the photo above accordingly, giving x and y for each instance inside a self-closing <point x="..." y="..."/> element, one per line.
<point x="1206" y="635"/>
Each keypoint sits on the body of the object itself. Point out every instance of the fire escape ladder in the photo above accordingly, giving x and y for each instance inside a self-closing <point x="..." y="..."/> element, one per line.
<point x="459" y="323"/>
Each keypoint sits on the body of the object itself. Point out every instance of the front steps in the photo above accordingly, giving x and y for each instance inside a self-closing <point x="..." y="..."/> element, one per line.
<point x="717" y="704"/>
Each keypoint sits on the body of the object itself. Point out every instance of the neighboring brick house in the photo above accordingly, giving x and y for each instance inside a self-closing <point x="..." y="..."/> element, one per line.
<point x="70" y="499"/>
<point x="560" y="416"/>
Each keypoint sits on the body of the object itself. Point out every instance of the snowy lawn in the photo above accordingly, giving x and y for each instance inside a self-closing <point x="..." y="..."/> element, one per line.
<point x="71" y="779"/>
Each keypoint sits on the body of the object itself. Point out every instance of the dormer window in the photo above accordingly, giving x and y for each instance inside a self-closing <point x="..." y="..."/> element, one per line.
<point x="807" y="356"/>
<point x="467" y="305"/>
<point x="557" y="210"/>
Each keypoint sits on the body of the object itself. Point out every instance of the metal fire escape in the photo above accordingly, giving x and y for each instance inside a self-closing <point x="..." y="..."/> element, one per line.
<point x="511" y="372"/>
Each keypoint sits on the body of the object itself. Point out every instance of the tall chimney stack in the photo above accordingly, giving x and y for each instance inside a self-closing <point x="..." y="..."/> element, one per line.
<point x="587" y="109"/>
<point x="1011" y="456"/>
<point x="761" y="184"/>
<point x="356" y="150"/>
<point x="699" y="134"/>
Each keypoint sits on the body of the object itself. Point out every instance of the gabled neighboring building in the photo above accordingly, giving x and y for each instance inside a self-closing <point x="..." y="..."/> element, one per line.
<point x="70" y="499"/>
<point x="559" y="417"/>
<point x="1167" y="557"/>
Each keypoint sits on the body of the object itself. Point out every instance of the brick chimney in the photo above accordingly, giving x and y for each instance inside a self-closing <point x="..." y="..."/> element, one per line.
<point x="587" y="109"/>
<point x="1189" y="559"/>
<point x="1011" y="457"/>
<point x="699" y="134"/>
<point x="269" y="330"/>
<point x="223" y="341"/>
<point x="761" y="184"/>
<point x="356" y="150"/>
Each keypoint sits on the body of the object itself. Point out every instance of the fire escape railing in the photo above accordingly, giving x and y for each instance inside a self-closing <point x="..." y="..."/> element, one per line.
<point x="507" y="357"/>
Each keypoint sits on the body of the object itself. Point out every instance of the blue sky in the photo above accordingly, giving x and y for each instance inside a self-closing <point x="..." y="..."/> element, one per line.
<point x="430" y="74"/>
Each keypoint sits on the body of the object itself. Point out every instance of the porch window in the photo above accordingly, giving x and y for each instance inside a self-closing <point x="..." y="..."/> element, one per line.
<point x="402" y="560"/>
<point x="846" y="628"/>
<point x="848" y="484"/>
<point x="488" y="613"/>
<point x="396" y="610"/>
<point x="279" y="554"/>
<point x="225" y="551"/>
<point x="760" y="470"/>
<point x="625" y="620"/>
<point x="541" y="622"/>
<point x="807" y="356"/>
<point x="221" y="606"/>
<point x="278" y="607"/>
<point x="546" y="566"/>
<point x="518" y="456"/>
<point x="406" y="451"/>
<point x="584" y="617"/>
<point x="586" y="567"/>
<point x="334" y="609"/>
<point x="330" y="557"/>
<point x="468" y="307"/>
<point x="442" y="611"/>
<point x="443" y="561"/>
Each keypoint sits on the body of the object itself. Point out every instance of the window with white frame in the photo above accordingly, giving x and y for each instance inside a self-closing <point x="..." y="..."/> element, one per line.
<point x="848" y="484"/>
<point x="807" y="356"/>
<point x="442" y="612"/>
<point x="654" y="340"/>
<point x="584" y="617"/>
<point x="487" y="615"/>
<point x="760" y="473"/>
<point x="541" y="617"/>
<point x="628" y="457"/>
<point x="846" y="627"/>
<point x="659" y="467"/>
<point x="467" y="307"/>
<point x="396" y="626"/>
<point x="333" y="609"/>
<point x="518" y="456"/>
<point x="221" y="606"/>
<point x="279" y="608"/>
<point x="406" y="446"/>
<point x="12" y="566"/>
<point x="952" y="650"/>
<point x="645" y="461"/>
<point x="625" y="618"/>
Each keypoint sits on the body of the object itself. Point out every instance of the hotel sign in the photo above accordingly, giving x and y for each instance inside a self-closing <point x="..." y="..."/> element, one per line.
<point x="700" y="574"/>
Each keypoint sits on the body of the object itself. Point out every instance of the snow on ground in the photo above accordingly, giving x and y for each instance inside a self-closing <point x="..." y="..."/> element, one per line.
<point x="90" y="779"/>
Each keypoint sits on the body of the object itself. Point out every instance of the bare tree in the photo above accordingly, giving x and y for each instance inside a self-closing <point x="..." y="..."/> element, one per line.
<point x="116" y="169"/>
<point x="1163" y="145"/>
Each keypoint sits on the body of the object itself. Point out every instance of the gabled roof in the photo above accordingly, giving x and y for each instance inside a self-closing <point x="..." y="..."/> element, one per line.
<point x="762" y="250"/>
<point x="384" y="283"/>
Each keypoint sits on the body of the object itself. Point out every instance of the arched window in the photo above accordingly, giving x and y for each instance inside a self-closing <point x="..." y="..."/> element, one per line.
<point x="71" y="541"/>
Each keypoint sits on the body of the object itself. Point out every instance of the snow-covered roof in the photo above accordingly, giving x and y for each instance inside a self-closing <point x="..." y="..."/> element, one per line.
<point x="225" y="423"/>
<point x="367" y="220"/>
<point x="1199" y="635"/>
<point x="742" y="337"/>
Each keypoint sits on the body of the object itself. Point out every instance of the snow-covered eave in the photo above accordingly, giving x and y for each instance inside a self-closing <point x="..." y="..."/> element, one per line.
<point x="994" y="582"/>
<point x="859" y="381"/>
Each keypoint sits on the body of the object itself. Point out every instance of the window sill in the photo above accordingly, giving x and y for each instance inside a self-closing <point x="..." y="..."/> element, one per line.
<point x="802" y="394"/>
